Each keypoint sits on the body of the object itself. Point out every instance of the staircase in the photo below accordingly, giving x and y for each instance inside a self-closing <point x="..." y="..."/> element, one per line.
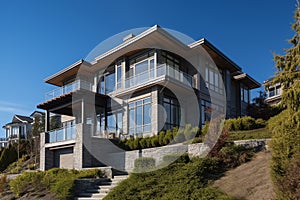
<point x="99" y="191"/>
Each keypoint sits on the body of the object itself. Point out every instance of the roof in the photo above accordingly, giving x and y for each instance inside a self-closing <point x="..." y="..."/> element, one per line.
<point x="37" y="113"/>
<point x="149" y="38"/>
<point x="19" y="119"/>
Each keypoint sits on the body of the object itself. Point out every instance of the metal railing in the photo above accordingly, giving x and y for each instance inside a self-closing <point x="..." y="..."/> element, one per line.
<point x="76" y="85"/>
<point x="62" y="134"/>
<point x="161" y="70"/>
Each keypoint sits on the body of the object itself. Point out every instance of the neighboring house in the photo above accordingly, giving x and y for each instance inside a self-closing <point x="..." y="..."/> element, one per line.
<point x="18" y="128"/>
<point x="273" y="92"/>
<point x="3" y="142"/>
<point x="130" y="107"/>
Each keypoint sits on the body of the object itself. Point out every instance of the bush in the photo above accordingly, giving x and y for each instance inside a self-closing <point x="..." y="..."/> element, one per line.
<point x="144" y="164"/>
<point x="234" y="155"/>
<point x="176" y="158"/>
<point x="3" y="183"/>
<point x="21" y="183"/>
<point x="60" y="182"/>
<point x="244" y="123"/>
<point x="8" y="156"/>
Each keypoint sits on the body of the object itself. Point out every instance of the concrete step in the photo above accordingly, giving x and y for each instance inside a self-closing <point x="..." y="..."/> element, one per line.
<point x="87" y="198"/>
<point x="120" y="177"/>
<point x="105" y="186"/>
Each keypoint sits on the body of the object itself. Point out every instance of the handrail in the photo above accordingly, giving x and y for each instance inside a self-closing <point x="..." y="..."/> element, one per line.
<point x="161" y="70"/>
<point x="76" y="85"/>
<point x="62" y="134"/>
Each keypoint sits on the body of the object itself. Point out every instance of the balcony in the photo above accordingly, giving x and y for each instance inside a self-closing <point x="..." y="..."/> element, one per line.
<point x="163" y="71"/>
<point x="62" y="134"/>
<point x="76" y="85"/>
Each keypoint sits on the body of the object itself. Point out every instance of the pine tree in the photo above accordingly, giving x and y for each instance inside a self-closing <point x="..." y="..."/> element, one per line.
<point x="286" y="130"/>
<point x="288" y="68"/>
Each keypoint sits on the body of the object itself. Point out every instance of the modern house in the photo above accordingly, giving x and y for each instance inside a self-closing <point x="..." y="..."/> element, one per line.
<point x="144" y="85"/>
<point x="273" y="92"/>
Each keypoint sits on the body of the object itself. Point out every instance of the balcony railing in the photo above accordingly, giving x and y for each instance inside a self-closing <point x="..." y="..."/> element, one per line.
<point x="161" y="70"/>
<point x="76" y="85"/>
<point x="62" y="134"/>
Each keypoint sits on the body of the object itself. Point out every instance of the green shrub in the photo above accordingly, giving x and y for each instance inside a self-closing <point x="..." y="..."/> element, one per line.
<point x="144" y="164"/>
<point x="244" y="123"/>
<point x="23" y="182"/>
<point x="3" y="183"/>
<point x="168" y="137"/>
<point x="155" y="141"/>
<point x="161" y="136"/>
<point x="176" y="158"/>
<point x="60" y="182"/>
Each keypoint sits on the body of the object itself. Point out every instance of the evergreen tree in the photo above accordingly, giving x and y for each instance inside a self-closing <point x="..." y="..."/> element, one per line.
<point x="286" y="130"/>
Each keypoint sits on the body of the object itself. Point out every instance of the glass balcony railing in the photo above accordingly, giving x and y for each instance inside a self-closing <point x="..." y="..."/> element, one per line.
<point x="62" y="134"/>
<point x="76" y="85"/>
<point x="161" y="70"/>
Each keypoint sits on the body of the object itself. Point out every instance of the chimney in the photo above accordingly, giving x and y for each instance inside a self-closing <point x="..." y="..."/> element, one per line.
<point x="128" y="37"/>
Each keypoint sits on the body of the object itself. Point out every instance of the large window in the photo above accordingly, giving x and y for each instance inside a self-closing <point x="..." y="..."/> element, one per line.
<point x="213" y="80"/>
<point x="142" y="67"/>
<point x="113" y="123"/>
<point x="140" y="117"/>
<point x="172" y="109"/>
<point x="107" y="82"/>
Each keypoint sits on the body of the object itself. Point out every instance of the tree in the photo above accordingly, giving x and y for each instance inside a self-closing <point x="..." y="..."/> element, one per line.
<point x="37" y="128"/>
<point x="286" y="129"/>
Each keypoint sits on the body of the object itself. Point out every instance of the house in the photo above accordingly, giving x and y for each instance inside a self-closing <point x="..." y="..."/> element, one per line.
<point x="18" y="128"/>
<point x="146" y="84"/>
<point x="273" y="92"/>
<point x="3" y="142"/>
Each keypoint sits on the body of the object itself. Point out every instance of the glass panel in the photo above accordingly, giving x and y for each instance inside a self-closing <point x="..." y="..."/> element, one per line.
<point x="111" y="122"/>
<point x="131" y="118"/>
<point x="120" y="119"/>
<point x="139" y="115"/>
<point x="141" y="67"/>
<point x="101" y="86"/>
<point x="147" y="128"/>
<point x="147" y="114"/>
<point x="211" y="77"/>
<point x="147" y="100"/>
<point x="152" y="68"/>
<point x="110" y="83"/>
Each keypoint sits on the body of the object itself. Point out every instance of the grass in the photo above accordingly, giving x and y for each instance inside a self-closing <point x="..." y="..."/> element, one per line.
<point x="261" y="133"/>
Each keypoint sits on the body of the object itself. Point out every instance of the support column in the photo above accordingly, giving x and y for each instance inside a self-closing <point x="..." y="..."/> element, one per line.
<point x="47" y="121"/>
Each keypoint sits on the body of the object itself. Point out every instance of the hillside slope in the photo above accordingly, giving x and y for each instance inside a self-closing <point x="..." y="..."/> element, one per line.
<point x="249" y="181"/>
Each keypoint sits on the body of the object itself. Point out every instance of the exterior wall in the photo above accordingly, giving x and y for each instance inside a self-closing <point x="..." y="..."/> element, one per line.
<point x="124" y="160"/>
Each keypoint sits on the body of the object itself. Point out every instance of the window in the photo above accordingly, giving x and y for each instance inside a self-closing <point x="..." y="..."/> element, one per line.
<point x="119" y="76"/>
<point x="140" y="117"/>
<point x="213" y="80"/>
<point x="206" y="110"/>
<point x="244" y="94"/>
<point x="15" y="132"/>
<point x="274" y="90"/>
<point x="172" y="109"/>
<point x="110" y="83"/>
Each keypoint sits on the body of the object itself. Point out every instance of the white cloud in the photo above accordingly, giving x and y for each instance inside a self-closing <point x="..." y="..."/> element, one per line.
<point x="13" y="108"/>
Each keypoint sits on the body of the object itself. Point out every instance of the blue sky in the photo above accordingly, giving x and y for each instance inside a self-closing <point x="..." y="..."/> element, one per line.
<point x="39" y="38"/>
